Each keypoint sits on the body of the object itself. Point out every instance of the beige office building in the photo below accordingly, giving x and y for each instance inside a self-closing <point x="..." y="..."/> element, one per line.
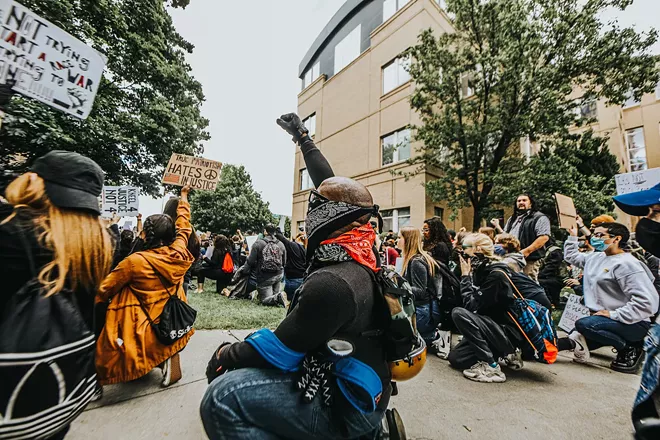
<point x="354" y="101"/>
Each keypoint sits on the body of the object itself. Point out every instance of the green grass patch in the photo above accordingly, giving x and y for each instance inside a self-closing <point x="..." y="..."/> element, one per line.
<point x="215" y="312"/>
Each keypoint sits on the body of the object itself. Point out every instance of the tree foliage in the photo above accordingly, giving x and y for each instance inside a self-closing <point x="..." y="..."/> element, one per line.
<point x="586" y="175"/>
<point x="147" y="106"/>
<point x="507" y="73"/>
<point x="233" y="205"/>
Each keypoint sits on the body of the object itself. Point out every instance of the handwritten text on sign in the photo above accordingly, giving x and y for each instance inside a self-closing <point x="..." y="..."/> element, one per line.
<point x="197" y="172"/>
<point x="574" y="310"/>
<point x="46" y="63"/>
<point x="120" y="200"/>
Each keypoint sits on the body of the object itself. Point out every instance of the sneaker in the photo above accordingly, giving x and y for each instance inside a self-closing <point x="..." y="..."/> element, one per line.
<point x="280" y="301"/>
<point x="629" y="360"/>
<point x="581" y="351"/>
<point x="442" y="344"/>
<point x="514" y="360"/>
<point x="172" y="371"/>
<point x="482" y="372"/>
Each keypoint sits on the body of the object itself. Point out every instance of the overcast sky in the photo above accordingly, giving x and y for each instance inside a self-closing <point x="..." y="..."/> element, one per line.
<point x="246" y="57"/>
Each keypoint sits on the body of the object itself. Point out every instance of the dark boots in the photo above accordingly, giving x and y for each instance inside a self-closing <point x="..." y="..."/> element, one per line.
<point x="629" y="360"/>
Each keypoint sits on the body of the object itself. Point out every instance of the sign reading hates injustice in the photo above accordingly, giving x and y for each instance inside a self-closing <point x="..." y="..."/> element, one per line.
<point x="197" y="172"/>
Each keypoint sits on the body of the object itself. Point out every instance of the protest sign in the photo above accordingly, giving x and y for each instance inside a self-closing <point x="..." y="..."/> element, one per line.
<point x="197" y="172"/>
<point x="574" y="310"/>
<point x="566" y="212"/>
<point x="46" y="63"/>
<point x="120" y="200"/>
<point x="637" y="181"/>
<point x="251" y="240"/>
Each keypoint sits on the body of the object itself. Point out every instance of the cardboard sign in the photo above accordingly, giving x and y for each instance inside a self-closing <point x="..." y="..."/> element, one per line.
<point x="566" y="212"/>
<point x="46" y="63"/>
<point x="573" y="311"/>
<point x="120" y="200"/>
<point x="197" y="172"/>
<point x="637" y="181"/>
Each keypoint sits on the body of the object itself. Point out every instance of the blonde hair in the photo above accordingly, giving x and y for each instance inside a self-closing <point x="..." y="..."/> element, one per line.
<point x="487" y="230"/>
<point x="484" y="243"/>
<point x="412" y="246"/>
<point x="82" y="248"/>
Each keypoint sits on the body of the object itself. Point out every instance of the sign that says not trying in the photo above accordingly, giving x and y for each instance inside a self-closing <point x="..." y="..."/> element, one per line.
<point x="197" y="172"/>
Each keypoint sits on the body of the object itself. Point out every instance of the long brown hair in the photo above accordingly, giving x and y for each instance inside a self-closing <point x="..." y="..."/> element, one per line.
<point x="412" y="246"/>
<point x="81" y="245"/>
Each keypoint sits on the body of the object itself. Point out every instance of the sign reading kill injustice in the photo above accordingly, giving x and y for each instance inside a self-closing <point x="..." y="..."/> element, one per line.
<point x="197" y="172"/>
<point x="120" y="200"/>
<point x="46" y="63"/>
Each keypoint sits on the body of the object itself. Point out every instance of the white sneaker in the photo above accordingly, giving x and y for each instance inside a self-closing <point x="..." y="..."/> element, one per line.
<point x="482" y="372"/>
<point x="514" y="360"/>
<point x="442" y="344"/>
<point x="581" y="351"/>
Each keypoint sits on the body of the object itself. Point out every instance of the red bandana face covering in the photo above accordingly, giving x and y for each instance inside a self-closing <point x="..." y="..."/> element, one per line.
<point x="358" y="244"/>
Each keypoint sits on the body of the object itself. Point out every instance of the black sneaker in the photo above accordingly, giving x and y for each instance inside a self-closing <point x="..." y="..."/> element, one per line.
<point x="629" y="360"/>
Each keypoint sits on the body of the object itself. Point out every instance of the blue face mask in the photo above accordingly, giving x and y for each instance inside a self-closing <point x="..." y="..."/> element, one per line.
<point x="499" y="250"/>
<point x="599" y="244"/>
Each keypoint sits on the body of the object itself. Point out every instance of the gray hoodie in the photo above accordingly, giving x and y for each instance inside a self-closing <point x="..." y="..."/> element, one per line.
<point x="620" y="284"/>
<point x="515" y="261"/>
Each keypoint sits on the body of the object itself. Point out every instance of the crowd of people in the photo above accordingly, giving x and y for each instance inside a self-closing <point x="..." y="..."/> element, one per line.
<point x="327" y="370"/>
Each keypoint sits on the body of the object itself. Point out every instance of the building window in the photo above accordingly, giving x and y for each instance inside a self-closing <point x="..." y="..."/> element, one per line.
<point x="305" y="181"/>
<point x="588" y="109"/>
<point x="630" y="100"/>
<point x="467" y="87"/>
<point x="391" y="6"/>
<point x="311" y="75"/>
<point x="348" y="49"/>
<point x="396" y="73"/>
<point x="310" y="124"/>
<point x="439" y="212"/>
<point x="395" y="219"/>
<point x="301" y="227"/>
<point x="636" y="149"/>
<point x="396" y="146"/>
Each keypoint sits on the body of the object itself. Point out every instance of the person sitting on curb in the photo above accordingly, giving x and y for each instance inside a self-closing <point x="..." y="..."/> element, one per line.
<point x="619" y="291"/>
<point x="488" y="332"/>
<point x="278" y="384"/>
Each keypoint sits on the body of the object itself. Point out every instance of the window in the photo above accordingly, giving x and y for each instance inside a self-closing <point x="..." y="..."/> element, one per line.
<point x="467" y="88"/>
<point x="395" y="219"/>
<point x="439" y="212"/>
<point x="311" y="75"/>
<point x="300" y="227"/>
<point x="305" y="181"/>
<point x="348" y="49"/>
<point x="588" y="109"/>
<point x="636" y="149"/>
<point x="310" y="124"/>
<point x="630" y="100"/>
<point x="396" y="146"/>
<point x="396" y="73"/>
<point x="391" y="6"/>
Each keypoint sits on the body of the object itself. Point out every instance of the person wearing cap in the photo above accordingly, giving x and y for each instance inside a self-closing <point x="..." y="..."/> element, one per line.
<point x="279" y="384"/>
<point x="619" y="292"/>
<point x="595" y="222"/>
<point x="46" y="207"/>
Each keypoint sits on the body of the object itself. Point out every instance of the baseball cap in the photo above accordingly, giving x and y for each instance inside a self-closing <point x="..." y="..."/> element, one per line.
<point x="72" y="180"/>
<point x="638" y="203"/>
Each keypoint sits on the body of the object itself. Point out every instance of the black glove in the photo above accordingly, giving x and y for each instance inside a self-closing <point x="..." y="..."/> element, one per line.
<point x="214" y="368"/>
<point x="292" y="124"/>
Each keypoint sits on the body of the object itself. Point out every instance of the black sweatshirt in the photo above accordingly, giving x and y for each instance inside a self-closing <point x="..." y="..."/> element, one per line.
<point x="296" y="261"/>
<point x="488" y="292"/>
<point x="318" y="167"/>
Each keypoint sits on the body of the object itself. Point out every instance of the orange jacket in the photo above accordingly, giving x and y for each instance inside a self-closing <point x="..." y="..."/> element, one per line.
<point x="128" y="347"/>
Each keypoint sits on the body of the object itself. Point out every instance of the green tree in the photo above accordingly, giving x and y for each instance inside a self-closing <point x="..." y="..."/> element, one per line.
<point x="507" y="73"/>
<point x="233" y="205"/>
<point x="586" y="174"/>
<point x="147" y="106"/>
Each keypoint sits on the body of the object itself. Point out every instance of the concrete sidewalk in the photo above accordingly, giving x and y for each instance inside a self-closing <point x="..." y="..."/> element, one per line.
<point x="560" y="401"/>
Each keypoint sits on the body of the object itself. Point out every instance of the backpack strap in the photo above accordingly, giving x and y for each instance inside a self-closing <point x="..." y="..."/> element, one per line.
<point x="161" y="278"/>
<point x="513" y="285"/>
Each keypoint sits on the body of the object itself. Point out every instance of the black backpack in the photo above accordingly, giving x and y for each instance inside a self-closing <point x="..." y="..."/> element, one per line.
<point x="46" y="361"/>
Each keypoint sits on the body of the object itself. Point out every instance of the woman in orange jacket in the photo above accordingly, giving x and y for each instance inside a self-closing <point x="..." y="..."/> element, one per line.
<point x="128" y="347"/>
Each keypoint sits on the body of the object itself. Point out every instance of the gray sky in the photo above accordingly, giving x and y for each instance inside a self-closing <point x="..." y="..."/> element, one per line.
<point x="246" y="57"/>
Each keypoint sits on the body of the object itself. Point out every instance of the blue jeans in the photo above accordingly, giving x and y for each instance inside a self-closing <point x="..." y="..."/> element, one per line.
<point x="261" y="404"/>
<point x="428" y="318"/>
<point x="600" y="331"/>
<point x="291" y="285"/>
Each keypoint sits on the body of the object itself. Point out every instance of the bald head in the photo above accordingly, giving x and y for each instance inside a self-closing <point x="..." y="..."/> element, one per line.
<point x="343" y="189"/>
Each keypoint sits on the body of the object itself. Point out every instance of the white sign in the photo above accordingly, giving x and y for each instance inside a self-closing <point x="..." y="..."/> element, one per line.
<point x="47" y="64"/>
<point x="251" y="240"/>
<point x="120" y="200"/>
<point x="197" y="172"/>
<point x="637" y="181"/>
<point x="574" y="310"/>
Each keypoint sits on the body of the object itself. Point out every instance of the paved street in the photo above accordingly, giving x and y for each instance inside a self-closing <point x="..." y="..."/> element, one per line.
<point x="561" y="401"/>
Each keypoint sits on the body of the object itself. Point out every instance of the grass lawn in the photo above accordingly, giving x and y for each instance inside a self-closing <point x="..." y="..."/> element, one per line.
<point x="214" y="311"/>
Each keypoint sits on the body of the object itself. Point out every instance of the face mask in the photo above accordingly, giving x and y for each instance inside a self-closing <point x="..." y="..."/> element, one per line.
<point x="599" y="244"/>
<point x="647" y="235"/>
<point x="499" y="250"/>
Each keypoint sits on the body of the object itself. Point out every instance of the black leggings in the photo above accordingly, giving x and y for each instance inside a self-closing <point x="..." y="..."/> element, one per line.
<point x="223" y="279"/>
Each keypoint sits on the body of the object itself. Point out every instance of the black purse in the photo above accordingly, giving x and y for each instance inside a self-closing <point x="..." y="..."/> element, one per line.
<point x="177" y="318"/>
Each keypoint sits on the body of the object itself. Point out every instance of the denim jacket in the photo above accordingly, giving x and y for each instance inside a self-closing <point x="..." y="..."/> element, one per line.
<point x="644" y="406"/>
